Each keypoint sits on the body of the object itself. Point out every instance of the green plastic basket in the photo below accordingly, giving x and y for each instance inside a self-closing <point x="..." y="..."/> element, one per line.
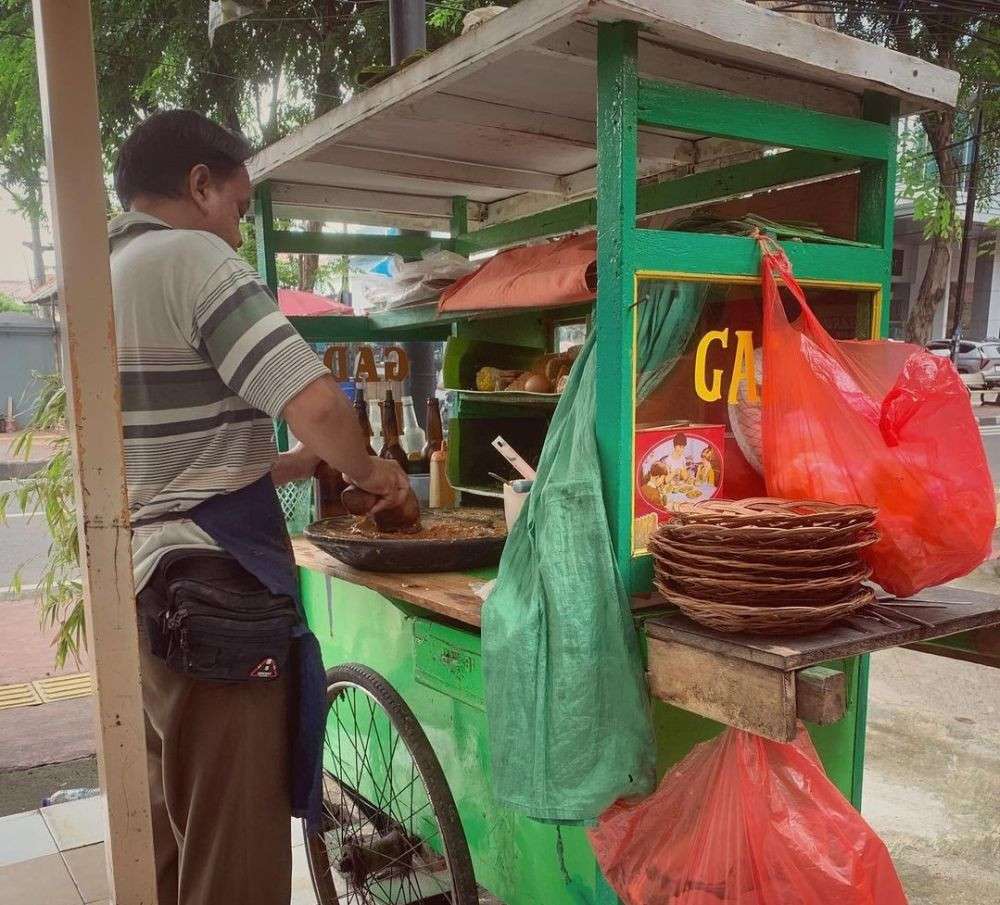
<point x="296" y="503"/>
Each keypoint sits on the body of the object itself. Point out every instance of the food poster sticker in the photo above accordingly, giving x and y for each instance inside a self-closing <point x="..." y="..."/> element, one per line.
<point x="674" y="465"/>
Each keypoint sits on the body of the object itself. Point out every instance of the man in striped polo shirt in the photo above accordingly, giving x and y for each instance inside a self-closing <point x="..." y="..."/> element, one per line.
<point x="206" y="362"/>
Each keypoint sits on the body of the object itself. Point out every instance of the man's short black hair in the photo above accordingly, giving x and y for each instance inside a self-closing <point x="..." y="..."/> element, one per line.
<point x="161" y="151"/>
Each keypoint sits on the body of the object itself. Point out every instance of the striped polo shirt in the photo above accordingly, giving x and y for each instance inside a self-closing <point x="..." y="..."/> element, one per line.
<point x="206" y="361"/>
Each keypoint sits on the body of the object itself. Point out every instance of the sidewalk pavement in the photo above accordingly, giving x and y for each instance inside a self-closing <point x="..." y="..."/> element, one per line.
<point x="14" y="466"/>
<point x="55" y="856"/>
<point x="45" y="733"/>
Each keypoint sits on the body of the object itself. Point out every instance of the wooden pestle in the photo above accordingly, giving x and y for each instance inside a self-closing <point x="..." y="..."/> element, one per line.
<point x="402" y="518"/>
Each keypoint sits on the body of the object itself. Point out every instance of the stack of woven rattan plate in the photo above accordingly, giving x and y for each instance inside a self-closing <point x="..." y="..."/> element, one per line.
<point x="766" y="566"/>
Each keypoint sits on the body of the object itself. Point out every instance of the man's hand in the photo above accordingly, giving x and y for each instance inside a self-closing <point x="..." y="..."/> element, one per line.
<point x="386" y="480"/>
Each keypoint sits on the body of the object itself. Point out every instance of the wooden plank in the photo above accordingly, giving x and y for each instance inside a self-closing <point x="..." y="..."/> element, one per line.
<point x="960" y="611"/>
<point x="75" y="170"/>
<point x="748" y="35"/>
<point x="740" y="256"/>
<point x="301" y="242"/>
<point x="326" y="196"/>
<point x="792" y="167"/>
<point x="360" y="218"/>
<point x="516" y="121"/>
<point x="489" y="145"/>
<point x="318" y="173"/>
<point x="448" y="594"/>
<point x="481" y="46"/>
<point x="578" y="42"/>
<point x="438" y="169"/>
<point x="981" y="646"/>
<point x="820" y="695"/>
<point x="789" y="168"/>
<point x="337" y="328"/>
<point x="734" y="692"/>
<point x="709" y="112"/>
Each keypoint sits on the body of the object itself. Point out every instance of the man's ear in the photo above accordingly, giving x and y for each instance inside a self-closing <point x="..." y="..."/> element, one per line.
<point x="198" y="182"/>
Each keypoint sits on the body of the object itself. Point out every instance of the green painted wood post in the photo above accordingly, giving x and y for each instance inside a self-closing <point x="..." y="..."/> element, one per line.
<point x="876" y="222"/>
<point x="263" y="222"/>
<point x="617" y="127"/>
<point x="459" y="216"/>
<point x="267" y="267"/>
<point x="877" y="196"/>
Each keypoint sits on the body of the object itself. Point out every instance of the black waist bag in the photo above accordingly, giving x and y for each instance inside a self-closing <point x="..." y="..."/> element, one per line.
<point x="209" y="618"/>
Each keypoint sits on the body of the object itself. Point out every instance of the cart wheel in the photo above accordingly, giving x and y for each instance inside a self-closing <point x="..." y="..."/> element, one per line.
<point x="391" y="833"/>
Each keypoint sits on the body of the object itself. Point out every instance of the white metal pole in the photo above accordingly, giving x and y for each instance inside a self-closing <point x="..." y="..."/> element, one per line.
<point x="64" y="47"/>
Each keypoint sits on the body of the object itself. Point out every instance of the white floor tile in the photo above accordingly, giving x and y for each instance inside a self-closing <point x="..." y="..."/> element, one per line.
<point x="77" y="823"/>
<point x="302" y="887"/>
<point x="41" y="881"/>
<point x="23" y="837"/>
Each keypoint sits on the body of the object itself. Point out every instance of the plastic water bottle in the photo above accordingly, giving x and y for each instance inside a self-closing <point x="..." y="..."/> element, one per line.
<point x="64" y="795"/>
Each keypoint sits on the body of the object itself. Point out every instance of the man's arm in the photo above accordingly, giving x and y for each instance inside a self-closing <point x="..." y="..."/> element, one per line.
<point x="264" y="361"/>
<point x="298" y="464"/>
<point x="323" y="420"/>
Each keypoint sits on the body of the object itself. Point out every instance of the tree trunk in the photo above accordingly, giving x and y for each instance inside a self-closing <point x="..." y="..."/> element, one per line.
<point x="309" y="264"/>
<point x="933" y="292"/>
<point x="940" y="129"/>
<point x="327" y="91"/>
<point x="38" y="260"/>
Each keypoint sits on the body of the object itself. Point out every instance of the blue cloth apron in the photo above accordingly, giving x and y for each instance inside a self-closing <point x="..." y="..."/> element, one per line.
<point x="250" y="526"/>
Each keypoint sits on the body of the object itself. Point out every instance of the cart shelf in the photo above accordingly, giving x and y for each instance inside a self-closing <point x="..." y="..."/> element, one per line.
<point x="448" y="594"/>
<point x="754" y="682"/>
<point x="478" y="404"/>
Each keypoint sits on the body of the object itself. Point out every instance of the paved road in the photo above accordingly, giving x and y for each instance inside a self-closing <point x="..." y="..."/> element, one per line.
<point x="23" y="544"/>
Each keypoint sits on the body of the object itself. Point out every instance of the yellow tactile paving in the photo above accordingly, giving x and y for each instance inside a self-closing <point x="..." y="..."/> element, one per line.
<point x="23" y="695"/>
<point x="62" y="688"/>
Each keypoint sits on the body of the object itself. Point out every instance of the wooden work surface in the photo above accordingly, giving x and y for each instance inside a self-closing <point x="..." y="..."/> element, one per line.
<point x="447" y="594"/>
<point x="959" y="611"/>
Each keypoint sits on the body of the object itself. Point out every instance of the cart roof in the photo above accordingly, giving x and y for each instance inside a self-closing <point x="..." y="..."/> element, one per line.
<point x="504" y="115"/>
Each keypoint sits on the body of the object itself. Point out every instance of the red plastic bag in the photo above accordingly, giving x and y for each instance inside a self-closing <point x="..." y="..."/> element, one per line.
<point x="884" y="424"/>
<point x="745" y="821"/>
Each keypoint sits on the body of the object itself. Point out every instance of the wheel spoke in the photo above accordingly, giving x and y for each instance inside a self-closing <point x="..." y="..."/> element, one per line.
<point x="383" y="825"/>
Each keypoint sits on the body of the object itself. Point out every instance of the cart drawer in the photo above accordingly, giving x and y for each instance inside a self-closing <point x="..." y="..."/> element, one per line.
<point x="448" y="660"/>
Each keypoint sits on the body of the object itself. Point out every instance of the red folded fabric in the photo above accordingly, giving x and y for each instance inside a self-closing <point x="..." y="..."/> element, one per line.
<point x="531" y="276"/>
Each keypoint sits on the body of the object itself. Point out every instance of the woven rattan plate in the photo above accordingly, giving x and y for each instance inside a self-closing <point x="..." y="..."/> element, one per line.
<point x="708" y="585"/>
<point x="818" y="536"/>
<point x="775" y="554"/>
<point x="731" y="568"/>
<point x="782" y="620"/>
<point x="773" y="513"/>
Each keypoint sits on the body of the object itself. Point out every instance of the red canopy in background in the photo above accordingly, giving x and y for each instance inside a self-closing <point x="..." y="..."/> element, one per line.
<point x="297" y="303"/>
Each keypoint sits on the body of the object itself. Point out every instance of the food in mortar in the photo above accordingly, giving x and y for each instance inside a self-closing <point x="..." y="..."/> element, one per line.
<point x="405" y="518"/>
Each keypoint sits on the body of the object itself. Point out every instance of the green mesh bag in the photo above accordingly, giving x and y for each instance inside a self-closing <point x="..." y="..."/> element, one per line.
<point x="566" y="702"/>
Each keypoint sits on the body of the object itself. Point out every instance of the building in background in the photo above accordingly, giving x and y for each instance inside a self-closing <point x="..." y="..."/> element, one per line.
<point x="909" y="262"/>
<point x="28" y="348"/>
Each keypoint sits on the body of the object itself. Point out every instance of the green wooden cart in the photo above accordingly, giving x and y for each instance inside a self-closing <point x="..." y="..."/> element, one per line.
<point x="559" y="115"/>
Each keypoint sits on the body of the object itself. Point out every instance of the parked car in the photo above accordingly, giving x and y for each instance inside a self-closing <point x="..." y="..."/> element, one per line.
<point x="978" y="359"/>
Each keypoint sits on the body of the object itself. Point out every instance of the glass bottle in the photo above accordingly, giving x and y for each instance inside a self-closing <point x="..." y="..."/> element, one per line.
<point x="361" y="410"/>
<point x="413" y="437"/>
<point x="375" y="420"/>
<point x="435" y="430"/>
<point x="391" y="448"/>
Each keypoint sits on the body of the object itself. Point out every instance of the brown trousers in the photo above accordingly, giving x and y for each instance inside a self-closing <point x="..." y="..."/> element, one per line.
<point x="219" y="786"/>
